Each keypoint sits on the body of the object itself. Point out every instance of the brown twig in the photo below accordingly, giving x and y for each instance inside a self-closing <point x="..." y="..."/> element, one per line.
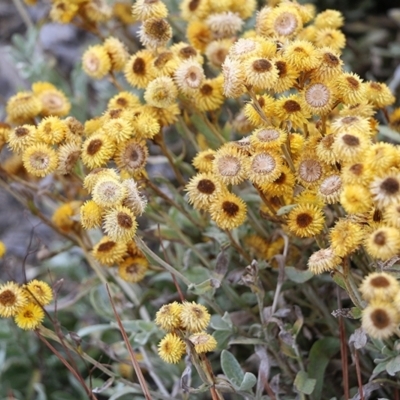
<point x="343" y="350"/>
<point x="359" y="379"/>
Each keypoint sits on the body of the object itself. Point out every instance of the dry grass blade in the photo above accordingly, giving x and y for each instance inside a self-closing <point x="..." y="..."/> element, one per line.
<point x="135" y="363"/>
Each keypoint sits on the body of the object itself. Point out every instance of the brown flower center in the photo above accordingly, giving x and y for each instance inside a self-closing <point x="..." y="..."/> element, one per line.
<point x="107" y="246"/>
<point x="310" y="170"/>
<point x="375" y="86"/>
<point x="94" y="146"/>
<point x="303" y="220"/>
<point x="282" y="68"/>
<point x="206" y="89"/>
<point x="353" y="82"/>
<point x="356" y="169"/>
<point x="194" y="4"/>
<point x="380" y="318"/>
<point x="21" y="131"/>
<point x="291" y="106"/>
<point x="206" y="186"/>
<point x="7" y="298"/>
<point x="380" y="282"/>
<point x="380" y="239"/>
<point x="124" y="220"/>
<point x="230" y="208"/>
<point x="261" y="65"/>
<point x="390" y="185"/>
<point x="331" y="59"/>
<point x="187" y="52"/>
<point x="350" y="140"/>
<point x="139" y="66"/>
<point x="122" y="102"/>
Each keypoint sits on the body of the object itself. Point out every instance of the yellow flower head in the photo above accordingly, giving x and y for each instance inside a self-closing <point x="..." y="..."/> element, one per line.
<point x="39" y="292"/>
<point x="63" y="11"/>
<point x="94" y="175"/>
<point x="22" y="107"/>
<point x="209" y="96"/>
<point x="108" y="192"/>
<point x="22" y="137"/>
<point x="12" y="299"/>
<point x="233" y="78"/>
<point x="199" y="35"/>
<point x="144" y="9"/>
<point x="383" y="243"/>
<point x="323" y="260"/>
<point x="109" y="252"/>
<point x="225" y="24"/>
<point x="309" y="170"/>
<point x="133" y="269"/>
<point x="203" y="342"/>
<point x="391" y="215"/>
<point x="386" y="189"/>
<point x="124" y="100"/>
<point x="91" y="215"/>
<point x="120" y="223"/>
<point x="117" y="52"/>
<point x="329" y="66"/>
<point x="132" y="155"/>
<point x="139" y="70"/>
<point x="260" y="73"/>
<point x="301" y="54"/>
<point x="349" y="146"/>
<point x="29" y="317"/>
<point x="228" y="211"/>
<point x="379" y="285"/>
<point x="346" y="236"/>
<point x="203" y="161"/>
<point x="217" y="50"/>
<point x="283" y="185"/>
<point x="355" y="198"/>
<point x="52" y="130"/>
<point x="194" y="317"/>
<point x="329" y="37"/>
<point x="349" y="88"/>
<point x="291" y="109"/>
<point x="229" y="165"/>
<point x="189" y="75"/>
<point x="306" y="220"/>
<point x="53" y="100"/>
<point x="133" y="199"/>
<point x="40" y="160"/>
<point x="318" y="98"/>
<point x="380" y="319"/>
<point x="68" y="155"/>
<point x="96" y="62"/>
<point x="287" y="75"/>
<point x="161" y="92"/>
<point x="63" y="216"/>
<point x="264" y="167"/>
<point x="379" y="94"/>
<point x="171" y="348"/>
<point x="155" y="32"/>
<point x="184" y="51"/>
<point x="97" y="11"/>
<point x="168" y="316"/>
<point x="203" y="189"/>
<point x="97" y="150"/>
<point x="329" y="19"/>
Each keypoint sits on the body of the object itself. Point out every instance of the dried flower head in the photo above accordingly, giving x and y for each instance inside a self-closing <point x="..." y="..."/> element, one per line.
<point x="39" y="292"/>
<point x="53" y="100"/>
<point x="189" y="75"/>
<point x="386" y="190"/>
<point x="380" y="319"/>
<point x="22" y="137"/>
<point x="229" y="165"/>
<point x="383" y="243"/>
<point x="155" y="32"/>
<point x="117" y="52"/>
<point x="323" y="260"/>
<point x="40" y="160"/>
<point x="379" y="285"/>
<point x="194" y="317"/>
<point x="29" y="317"/>
<point x="133" y="269"/>
<point x="346" y="236"/>
<point x="203" y="342"/>
<point x="228" y="211"/>
<point x="12" y="299"/>
<point x="97" y="150"/>
<point x="306" y="220"/>
<point x="109" y="252"/>
<point x="139" y="70"/>
<point x="260" y="73"/>
<point x="161" y="92"/>
<point x="22" y="107"/>
<point x="132" y="155"/>
<point x="145" y="9"/>
<point x="225" y="25"/>
<point x="91" y="215"/>
<point x="168" y="316"/>
<point x="120" y="223"/>
<point x="96" y="62"/>
<point x="108" y="192"/>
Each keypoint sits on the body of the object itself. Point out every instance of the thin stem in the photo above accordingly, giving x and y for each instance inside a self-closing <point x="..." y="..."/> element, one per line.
<point x="237" y="246"/>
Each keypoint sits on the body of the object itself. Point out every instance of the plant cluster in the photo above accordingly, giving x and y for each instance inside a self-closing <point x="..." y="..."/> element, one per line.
<point x="281" y="176"/>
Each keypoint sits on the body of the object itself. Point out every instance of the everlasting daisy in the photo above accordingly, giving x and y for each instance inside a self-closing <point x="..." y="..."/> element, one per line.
<point x="318" y="98"/>
<point x="228" y="211"/>
<point x="91" y="215"/>
<point x="379" y="285"/>
<point x="323" y="260"/>
<point x="383" y="243"/>
<point x="329" y="19"/>
<point x="40" y="160"/>
<point x="233" y="78"/>
<point x="330" y="189"/>
<point x="155" y="32"/>
<point x="96" y="62"/>
<point x="39" y="291"/>
<point x="386" y="190"/>
<point x="329" y="66"/>
<point x="309" y="170"/>
<point x="93" y="176"/>
<point x="203" y="342"/>
<point x="132" y="155"/>
<point x="53" y="100"/>
<point x="302" y="55"/>
<point x="108" y="192"/>
<point x="349" y="87"/>
<point x="217" y="51"/>
<point x="329" y="37"/>
<point x="168" y="316"/>
<point x="189" y="75"/>
<point x="225" y="24"/>
<point x="379" y="94"/>
<point x="229" y="165"/>
<point x="124" y="100"/>
<point x="109" y="252"/>
<point x="260" y="73"/>
<point x="264" y="167"/>
<point x="306" y="220"/>
<point x="203" y="161"/>
<point x="346" y="236"/>
<point x="22" y="137"/>
<point x="171" y="348"/>
<point x="391" y="215"/>
<point x="133" y="199"/>
<point x="199" y="35"/>
<point x="145" y="9"/>
<point x="282" y="186"/>
<point x="12" y="299"/>
<point x="161" y="92"/>
<point x="97" y="150"/>
<point x="380" y="319"/>
<point x="120" y="223"/>
<point x="52" y="130"/>
<point x="133" y="269"/>
<point x="68" y="155"/>
<point x="287" y="75"/>
<point x="209" y="96"/>
<point x="117" y="52"/>
<point x="29" y="317"/>
<point x="139" y="70"/>
<point x="22" y="107"/>
<point x="355" y="198"/>
<point x="290" y="109"/>
<point x="194" y="317"/>
<point x="350" y="146"/>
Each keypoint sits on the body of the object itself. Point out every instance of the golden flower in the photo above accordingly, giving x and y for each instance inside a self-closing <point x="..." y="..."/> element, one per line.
<point x="22" y="107"/>
<point x="38" y="292"/>
<point x="379" y="94"/>
<point x="287" y="75"/>
<point x="305" y="220"/>
<point x="161" y="92"/>
<point x="91" y="215"/>
<point x="108" y="192"/>
<point x="260" y="73"/>
<point x="233" y="78"/>
<point x="209" y="95"/>
<point x="290" y="109"/>
<point x="117" y="52"/>
<point x="165" y="63"/>
<point x="329" y="37"/>
<point x="229" y="165"/>
<point x="145" y="122"/>
<point x="63" y="216"/>
<point x="96" y="62"/>
<point x="283" y="185"/>
<point x="40" y="160"/>
<point x="203" y="342"/>
<point x="63" y="11"/>
<point x="318" y="98"/>
<point x="346" y="236"/>
<point x="145" y="9"/>
<point x="155" y="32"/>
<point x="51" y="130"/>
<point x="97" y="150"/>
<point x="118" y="129"/>
<point x="268" y="138"/>
<point x="380" y="319"/>
<point x="383" y="243"/>
<point x="168" y="316"/>
<point x="133" y="199"/>
<point x="391" y="215"/>
<point x="302" y="55"/>
<point x="202" y="190"/>
<point x="184" y="51"/>
<point x="225" y="24"/>
<point x="228" y="211"/>
<point x="53" y="100"/>
<point x="349" y="146"/>
<point x="199" y="35"/>
<point x="139" y="70"/>
<point x="353" y="123"/>
<point x="329" y="66"/>
<point x="22" y="137"/>
<point x="217" y="50"/>
<point x="203" y="161"/>
<point x="120" y="223"/>
<point x="281" y="21"/>
<point x="29" y="317"/>
<point x="309" y="170"/>
<point x="171" y="348"/>
<point x="68" y="155"/>
<point x="258" y="245"/>
<point x="133" y="269"/>
<point x="124" y="100"/>
<point x="194" y="9"/>
<point x="329" y="19"/>
<point x="92" y="126"/>
<point x="108" y="251"/>
<point x="323" y="260"/>
<point x="386" y="190"/>
<point x="355" y="198"/>
<point x="12" y="299"/>
<point x="363" y="110"/>
<point x="162" y="117"/>
<point x="264" y="167"/>
<point x="379" y="285"/>
<point x="349" y="88"/>
<point x="97" y="11"/>
<point x="358" y="173"/>
<point x="189" y="75"/>
<point x="330" y="189"/>
<point x="245" y="48"/>
<point x="194" y="317"/>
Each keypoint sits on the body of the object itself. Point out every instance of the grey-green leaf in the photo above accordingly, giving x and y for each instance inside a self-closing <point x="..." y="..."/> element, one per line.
<point x="231" y="368"/>
<point x="248" y="382"/>
<point x="303" y="383"/>
<point x="393" y="366"/>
